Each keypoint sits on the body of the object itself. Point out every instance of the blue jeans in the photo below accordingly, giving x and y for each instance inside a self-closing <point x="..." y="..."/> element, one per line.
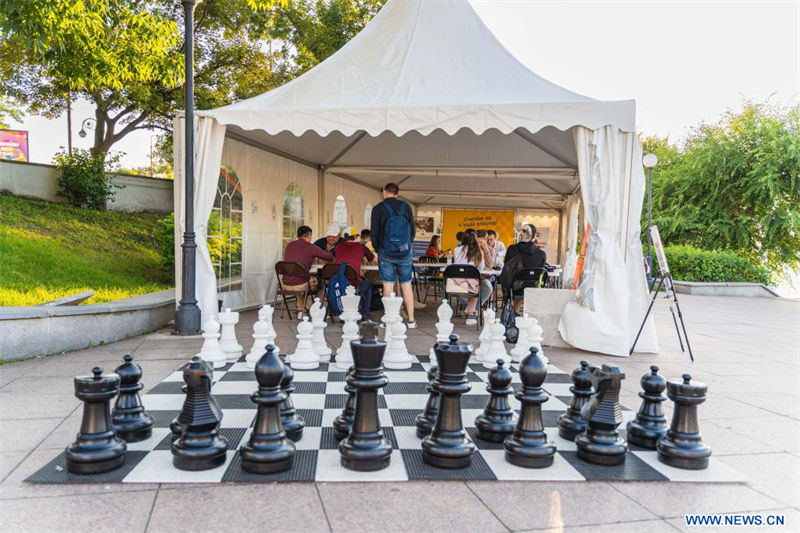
<point x="389" y="266"/>
<point x="365" y="288"/>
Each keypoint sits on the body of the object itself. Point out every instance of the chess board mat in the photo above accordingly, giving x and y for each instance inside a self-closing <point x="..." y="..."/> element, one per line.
<point x="319" y="398"/>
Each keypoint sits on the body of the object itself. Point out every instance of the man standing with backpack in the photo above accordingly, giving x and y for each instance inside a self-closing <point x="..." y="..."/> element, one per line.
<point x="392" y="231"/>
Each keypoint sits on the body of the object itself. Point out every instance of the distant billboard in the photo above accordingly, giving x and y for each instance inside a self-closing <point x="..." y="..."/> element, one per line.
<point x="14" y="145"/>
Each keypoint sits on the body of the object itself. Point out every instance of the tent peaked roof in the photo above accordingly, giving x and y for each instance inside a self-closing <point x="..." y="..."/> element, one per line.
<point x="421" y="66"/>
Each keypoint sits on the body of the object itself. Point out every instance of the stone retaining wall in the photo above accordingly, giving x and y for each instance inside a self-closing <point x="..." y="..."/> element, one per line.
<point x="31" y="331"/>
<point x="139" y="194"/>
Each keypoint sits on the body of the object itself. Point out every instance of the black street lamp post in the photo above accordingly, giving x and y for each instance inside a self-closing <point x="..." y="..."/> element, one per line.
<point x="649" y="161"/>
<point x="187" y="316"/>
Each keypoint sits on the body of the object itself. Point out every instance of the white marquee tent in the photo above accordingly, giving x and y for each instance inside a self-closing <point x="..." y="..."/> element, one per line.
<point x="428" y="97"/>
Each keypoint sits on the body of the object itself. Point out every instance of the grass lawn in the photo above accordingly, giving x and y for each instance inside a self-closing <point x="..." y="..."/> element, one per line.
<point x="50" y="250"/>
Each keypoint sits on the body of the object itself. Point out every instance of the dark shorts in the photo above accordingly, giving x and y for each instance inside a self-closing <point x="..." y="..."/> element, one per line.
<point x="391" y="268"/>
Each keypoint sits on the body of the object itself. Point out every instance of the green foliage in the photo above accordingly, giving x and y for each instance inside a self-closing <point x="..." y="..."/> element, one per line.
<point x="52" y="250"/>
<point x="688" y="263"/>
<point x="8" y="109"/>
<point x="122" y="55"/>
<point x="125" y="56"/>
<point x="313" y="30"/>
<point x="83" y="178"/>
<point x="735" y="185"/>
<point x="165" y="233"/>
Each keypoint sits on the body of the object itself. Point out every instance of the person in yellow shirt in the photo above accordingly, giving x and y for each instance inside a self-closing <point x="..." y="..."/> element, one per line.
<point x="366" y="239"/>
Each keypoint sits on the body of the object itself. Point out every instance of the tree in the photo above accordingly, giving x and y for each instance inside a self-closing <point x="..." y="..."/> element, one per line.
<point x="313" y="30"/>
<point x="117" y="53"/>
<point x="125" y="56"/>
<point x="736" y="186"/>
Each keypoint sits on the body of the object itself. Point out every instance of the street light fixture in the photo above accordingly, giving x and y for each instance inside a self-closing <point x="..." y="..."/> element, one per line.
<point x="649" y="161"/>
<point x="87" y="124"/>
<point x="187" y="316"/>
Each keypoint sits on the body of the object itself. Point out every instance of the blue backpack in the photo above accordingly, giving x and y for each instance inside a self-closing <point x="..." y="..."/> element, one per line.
<point x="336" y="289"/>
<point x="396" y="234"/>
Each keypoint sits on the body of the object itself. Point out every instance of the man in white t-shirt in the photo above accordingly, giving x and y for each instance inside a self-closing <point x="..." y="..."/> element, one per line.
<point x="498" y="245"/>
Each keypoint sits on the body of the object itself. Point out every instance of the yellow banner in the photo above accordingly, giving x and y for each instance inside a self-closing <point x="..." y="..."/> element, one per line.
<point x="455" y="220"/>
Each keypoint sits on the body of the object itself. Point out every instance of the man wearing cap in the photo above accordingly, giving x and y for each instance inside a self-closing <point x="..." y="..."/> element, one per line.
<point x="331" y="239"/>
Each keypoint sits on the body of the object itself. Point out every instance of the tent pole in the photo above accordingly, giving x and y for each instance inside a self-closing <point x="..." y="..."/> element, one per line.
<point x="188" y="316"/>
<point x="560" y="234"/>
<point x="320" y="200"/>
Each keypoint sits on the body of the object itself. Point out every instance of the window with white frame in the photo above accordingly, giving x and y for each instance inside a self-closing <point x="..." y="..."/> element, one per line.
<point x="225" y="231"/>
<point x="340" y="212"/>
<point x="367" y="215"/>
<point x="292" y="213"/>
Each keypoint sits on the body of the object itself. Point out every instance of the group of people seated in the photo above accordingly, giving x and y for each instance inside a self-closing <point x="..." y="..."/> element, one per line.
<point x="480" y="248"/>
<point x="337" y="246"/>
<point x="485" y="251"/>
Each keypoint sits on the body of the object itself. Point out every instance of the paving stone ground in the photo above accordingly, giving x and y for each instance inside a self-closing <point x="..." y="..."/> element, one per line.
<point x="746" y="349"/>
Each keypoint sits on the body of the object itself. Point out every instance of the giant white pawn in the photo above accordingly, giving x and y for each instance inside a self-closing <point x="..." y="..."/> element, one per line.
<point x="485" y="337"/>
<point x="397" y="356"/>
<point x="304" y="357"/>
<point x="211" y="352"/>
<point x="391" y="314"/>
<point x="227" y="339"/>
<point x="260" y="337"/>
<point x="317" y="313"/>
<point x="497" y="348"/>
<point x="523" y="346"/>
<point x="268" y="311"/>
<point x="351" y="316"/>
<point x="444" y="327"/>
<point x="536" y="335"/>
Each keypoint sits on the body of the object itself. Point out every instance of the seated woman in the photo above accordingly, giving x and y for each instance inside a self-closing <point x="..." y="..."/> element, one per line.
<point x="531" y="256"/>
<point x="469" y="253"/>
<point x="434" y="250"/>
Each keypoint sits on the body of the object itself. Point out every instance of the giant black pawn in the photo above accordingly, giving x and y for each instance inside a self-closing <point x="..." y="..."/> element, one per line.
<point x="571" y="423"/>
<point x="498" y="418"/>
<point x="682" y="446"/>
<point x="200" y="447"/>
<point x="268" y="451"/>
<point x="292" y="422"/>
<point x="344" y="422"/>
<point x="448" y="445"/>
<point x="650" y="423"/>
<point x="129" y="418"/>
<point x="529" y="446"/>
<point x="97" y="448"/>
<point x="366" y="449"/>
<point x="600" y="443"/>
<point x="427" y="418"/>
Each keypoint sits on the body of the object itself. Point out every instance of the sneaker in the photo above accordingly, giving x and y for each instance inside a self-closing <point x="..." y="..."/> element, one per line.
<point x="471" y="322"/>
<point x="412" y="324"/>
<point x="382" y="325"/>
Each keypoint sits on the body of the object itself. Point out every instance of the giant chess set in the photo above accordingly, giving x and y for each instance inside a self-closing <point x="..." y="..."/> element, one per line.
<point x="371" y="411"/>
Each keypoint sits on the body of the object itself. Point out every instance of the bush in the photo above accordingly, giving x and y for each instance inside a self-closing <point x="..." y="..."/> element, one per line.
<point x="166" y="242"/>
<point x="84" y="179"/>
<point x="688" y="263"/>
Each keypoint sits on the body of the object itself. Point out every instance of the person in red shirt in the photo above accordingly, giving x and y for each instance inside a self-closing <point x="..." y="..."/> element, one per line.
<point x="303" y="251"/>
<point x="355" y="253"/>
<point x="433" y="248"/>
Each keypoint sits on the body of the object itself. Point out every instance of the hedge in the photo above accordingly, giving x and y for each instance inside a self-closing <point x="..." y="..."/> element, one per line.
<point x="688" y="263"/>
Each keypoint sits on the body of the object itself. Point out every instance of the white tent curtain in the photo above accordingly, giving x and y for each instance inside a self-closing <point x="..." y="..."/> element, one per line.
<point x="571" y="256"/>
<point x="209" y="137"/>
<point x="602" y="317"/>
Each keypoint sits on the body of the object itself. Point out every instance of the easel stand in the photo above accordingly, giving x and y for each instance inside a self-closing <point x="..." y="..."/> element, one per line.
<point x="682" y="335"/>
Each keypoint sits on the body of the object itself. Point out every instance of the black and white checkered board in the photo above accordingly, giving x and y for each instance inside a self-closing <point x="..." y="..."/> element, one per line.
<point x="319" y="398"/>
